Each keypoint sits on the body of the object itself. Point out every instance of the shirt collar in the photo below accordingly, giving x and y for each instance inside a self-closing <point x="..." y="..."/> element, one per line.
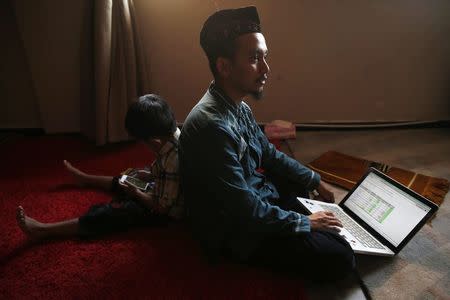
<point x="222" y="97"/>
<point x="170" y="144"/>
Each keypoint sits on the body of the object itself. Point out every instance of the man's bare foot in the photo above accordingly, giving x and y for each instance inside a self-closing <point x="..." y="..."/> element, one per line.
<point x="80" y="177"/>
<point x="33" y="229"/>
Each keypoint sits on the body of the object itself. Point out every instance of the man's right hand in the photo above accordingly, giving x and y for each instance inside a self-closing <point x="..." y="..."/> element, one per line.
<point x="324" y="220"/>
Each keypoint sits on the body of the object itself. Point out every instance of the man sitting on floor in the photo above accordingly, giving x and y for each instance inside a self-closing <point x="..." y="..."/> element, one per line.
<point x="234" y="209"/>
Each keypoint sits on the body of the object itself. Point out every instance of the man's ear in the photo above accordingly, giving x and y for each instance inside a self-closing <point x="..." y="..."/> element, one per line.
<point x="223" y="66"/>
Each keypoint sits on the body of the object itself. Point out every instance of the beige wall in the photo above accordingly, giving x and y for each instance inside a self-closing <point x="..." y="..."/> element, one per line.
<point x="330" y="60"/>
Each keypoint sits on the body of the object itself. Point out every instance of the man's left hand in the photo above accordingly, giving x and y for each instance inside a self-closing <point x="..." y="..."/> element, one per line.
<point x="325" y="194"/>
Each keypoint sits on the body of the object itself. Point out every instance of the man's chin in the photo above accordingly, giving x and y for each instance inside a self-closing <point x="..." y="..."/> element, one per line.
<point x="257" y="95"/>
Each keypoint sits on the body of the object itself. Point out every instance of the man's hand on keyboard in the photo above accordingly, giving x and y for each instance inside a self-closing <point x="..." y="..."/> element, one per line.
<point x="324" y="220"/>
<point x="325" y="194"/>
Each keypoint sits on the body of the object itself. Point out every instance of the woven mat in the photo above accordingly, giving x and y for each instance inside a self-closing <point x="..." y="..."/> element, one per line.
<point x="345" y="170"/>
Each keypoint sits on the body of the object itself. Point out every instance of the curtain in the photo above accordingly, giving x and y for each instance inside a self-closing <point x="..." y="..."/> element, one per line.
<point x="19" y="108"/>
<point x="119" y="68"/>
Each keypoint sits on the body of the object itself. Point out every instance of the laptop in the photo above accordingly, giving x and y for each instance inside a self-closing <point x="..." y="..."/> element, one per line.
<point x="379" y="215"/>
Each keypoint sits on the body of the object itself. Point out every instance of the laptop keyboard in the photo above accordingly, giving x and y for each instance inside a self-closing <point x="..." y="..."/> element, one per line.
<point x="362" y="236"/>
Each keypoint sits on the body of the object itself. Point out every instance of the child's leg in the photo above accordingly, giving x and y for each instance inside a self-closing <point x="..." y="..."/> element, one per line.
<point x="84" y="179"/>
<point x="37" y="230"/>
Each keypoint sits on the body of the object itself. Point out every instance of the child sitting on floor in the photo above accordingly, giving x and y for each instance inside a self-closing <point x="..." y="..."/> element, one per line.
<point x="151" y="121"/>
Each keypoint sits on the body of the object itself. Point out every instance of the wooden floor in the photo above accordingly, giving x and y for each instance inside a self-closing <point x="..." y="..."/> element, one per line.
<point x="421" y="269"/>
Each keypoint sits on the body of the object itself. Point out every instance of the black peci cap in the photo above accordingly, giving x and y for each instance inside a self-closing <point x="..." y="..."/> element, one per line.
<point x="225" y="26"/>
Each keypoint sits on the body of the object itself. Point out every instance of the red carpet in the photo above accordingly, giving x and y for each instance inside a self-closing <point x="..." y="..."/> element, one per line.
<point x="150" y="263"/>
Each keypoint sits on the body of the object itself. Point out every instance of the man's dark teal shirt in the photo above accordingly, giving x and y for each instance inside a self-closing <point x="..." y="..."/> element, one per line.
<point x="229" y="203"/>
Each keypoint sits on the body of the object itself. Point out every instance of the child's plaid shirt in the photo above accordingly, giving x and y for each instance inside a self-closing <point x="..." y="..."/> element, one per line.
<point x="166" y="190"/>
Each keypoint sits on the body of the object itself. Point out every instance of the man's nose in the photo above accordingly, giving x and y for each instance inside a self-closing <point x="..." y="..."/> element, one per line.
<point x="266" y="68"/>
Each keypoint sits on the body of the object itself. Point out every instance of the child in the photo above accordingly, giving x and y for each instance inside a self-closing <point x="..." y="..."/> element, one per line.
<point x="151" y="121"/>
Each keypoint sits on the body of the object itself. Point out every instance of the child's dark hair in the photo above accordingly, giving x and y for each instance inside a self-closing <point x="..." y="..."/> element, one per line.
<point x="150" y="117"/>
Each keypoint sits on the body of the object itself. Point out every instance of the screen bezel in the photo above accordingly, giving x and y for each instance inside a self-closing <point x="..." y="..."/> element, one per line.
<point x="433" y="208"/>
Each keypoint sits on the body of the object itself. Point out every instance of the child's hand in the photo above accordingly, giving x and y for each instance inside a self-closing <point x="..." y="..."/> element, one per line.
<point x="130" y="190"/>
<point x="145" y="198"/>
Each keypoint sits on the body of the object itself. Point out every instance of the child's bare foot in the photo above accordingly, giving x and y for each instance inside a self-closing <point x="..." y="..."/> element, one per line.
<point x="33" y="229"/>
<point x="80" y="177"/>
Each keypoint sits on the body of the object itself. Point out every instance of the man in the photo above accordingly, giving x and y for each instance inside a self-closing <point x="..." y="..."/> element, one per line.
<point x="233" y="208"/>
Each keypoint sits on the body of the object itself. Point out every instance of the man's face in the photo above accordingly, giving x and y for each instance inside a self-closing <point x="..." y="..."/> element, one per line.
<point x="249" y="68"/>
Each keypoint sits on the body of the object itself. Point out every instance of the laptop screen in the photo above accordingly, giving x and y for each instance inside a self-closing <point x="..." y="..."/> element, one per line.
<point x="390" y="211"/>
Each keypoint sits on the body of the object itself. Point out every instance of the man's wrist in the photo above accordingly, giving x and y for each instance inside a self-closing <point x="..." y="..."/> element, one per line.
<point x="303" y="224"/>
<point x="314" y="182"/>
<point x="315" y="193"/>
